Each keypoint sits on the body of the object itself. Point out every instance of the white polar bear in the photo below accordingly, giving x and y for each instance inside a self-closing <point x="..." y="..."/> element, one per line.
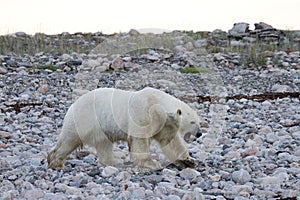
<point x="103" y="116"/>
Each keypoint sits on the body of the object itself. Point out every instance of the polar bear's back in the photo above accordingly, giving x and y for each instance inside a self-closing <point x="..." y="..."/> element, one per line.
<point x="167" y="101"/>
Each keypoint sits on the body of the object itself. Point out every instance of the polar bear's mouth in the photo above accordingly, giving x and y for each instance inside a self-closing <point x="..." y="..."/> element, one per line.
<point x="189" y="137"/>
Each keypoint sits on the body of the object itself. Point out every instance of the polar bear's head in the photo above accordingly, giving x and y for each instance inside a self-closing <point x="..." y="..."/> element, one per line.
<point x="190" y="122"/>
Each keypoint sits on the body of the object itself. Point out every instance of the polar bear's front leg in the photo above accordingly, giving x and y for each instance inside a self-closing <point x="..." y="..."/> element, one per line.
<point x="176" y="151"/>
<point x="140" y="152"/>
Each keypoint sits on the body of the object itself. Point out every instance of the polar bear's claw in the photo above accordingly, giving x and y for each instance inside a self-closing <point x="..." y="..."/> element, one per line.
<point x="189" y="162"/>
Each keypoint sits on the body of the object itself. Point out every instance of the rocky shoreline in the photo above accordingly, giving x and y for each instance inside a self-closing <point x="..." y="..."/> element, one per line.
<point x="251" y="151"/>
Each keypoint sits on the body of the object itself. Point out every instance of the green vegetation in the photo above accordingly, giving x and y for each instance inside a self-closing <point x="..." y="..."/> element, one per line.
<point x="194" y="70"/>
<point x="109" y="71"/>
<point x="253" y="58"/>
<point x="58" y="44"/>
<point x="197" y="35"/>
<point x="49" y="67"/>
<point x="215" y="49"/>
<point x="250" y="54"/>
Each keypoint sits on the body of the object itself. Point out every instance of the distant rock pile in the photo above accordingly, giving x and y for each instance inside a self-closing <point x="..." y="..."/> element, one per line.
<point x="262" y="32"/>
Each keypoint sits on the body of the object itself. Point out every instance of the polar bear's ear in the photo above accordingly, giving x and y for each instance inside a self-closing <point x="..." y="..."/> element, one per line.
<point x="174" y="116"/>
<point x="179" y="112"/>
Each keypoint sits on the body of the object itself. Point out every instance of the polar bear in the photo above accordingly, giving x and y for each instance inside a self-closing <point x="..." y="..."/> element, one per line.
<point x="103" y="116"/>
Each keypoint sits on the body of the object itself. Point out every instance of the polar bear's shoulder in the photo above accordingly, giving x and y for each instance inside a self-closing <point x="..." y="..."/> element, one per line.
<point x="154" y="92"/>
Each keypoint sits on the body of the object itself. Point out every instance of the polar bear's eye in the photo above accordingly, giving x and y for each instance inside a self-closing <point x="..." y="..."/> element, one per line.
<point x="192" y="122"/>
<point x="179" y="112"/>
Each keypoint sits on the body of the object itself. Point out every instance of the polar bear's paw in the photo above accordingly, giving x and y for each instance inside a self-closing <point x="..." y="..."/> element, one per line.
<point x="188" y="162"/>
<point x="54" y="162"/>
<point x="149" y="164"/>
<point x="110" y="162"/>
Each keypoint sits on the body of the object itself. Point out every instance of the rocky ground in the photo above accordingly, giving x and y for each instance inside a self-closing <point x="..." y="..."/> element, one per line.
<point x="250" y="113"/>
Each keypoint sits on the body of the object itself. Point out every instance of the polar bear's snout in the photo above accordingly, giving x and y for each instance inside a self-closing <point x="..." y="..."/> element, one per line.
<point x="193" y="133"/>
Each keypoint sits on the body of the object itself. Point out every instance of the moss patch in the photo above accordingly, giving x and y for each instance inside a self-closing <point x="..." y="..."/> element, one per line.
<point x="49" y="67"/>
<point x="194" y="70"/>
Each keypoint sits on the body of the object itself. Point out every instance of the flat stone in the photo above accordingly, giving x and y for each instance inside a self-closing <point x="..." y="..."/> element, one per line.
<point x="280" y="88"/>
<point x="5" y="135"/>
<point x="189" y="173"/>
<point x="117" y="64"/>
<point x="138" y="193"/>
<point x="240" y="189"/>
<point x="80" y="92"/>
<point x="170" y="172"/>
<point x="6" y="185"/>
<point x="34" y="194"/>
<point x="241" y="177"/>
<point x="3" y="70"/>
<point x="270" y="180"/>
<point x="265" y="130"/>
<point x="173" y="197"/>
<point x="44" y="88"/>
<point x="109" y="171"/>
<point x="153" y="178"/>
<point x="123" y="176"/>
<point x="239" y="29"/>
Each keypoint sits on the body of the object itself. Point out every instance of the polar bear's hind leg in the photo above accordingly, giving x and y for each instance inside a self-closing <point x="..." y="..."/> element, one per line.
<point x="105" y="154"/>
<point x="67" y="142"/>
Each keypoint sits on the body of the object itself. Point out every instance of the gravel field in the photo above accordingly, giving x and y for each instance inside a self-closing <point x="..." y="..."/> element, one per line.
<point x="251" y="116"/>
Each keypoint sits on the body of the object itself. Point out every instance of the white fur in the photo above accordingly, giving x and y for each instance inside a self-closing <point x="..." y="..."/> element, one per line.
<point x="106" y="115"/>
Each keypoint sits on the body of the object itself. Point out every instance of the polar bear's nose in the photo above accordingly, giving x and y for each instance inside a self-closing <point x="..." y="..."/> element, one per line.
<point x="198" y="134"/>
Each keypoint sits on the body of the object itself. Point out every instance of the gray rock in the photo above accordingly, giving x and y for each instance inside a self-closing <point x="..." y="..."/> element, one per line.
<point x="189" y="46"/>
<point x="20" y="34"/>
<point x="280" y="88"/>
<point x="262" y="25"/>
<point x="153" y="178"/>
<point x="241" y="177"/>
<point x="266" y="103"/>
<point x="271" y="137"/>
<point x="170" y="172"/>
<point x="296" y="135"/>
<point x="6" y="186"/>
<point x="3" y="70"/>
<point x="290" y="194"/>
<point x="265" y="130"/>
<point x="117" y="64"/>
<point x="90" y="64"/>
<point x="109" y="171"/>
<point x="270" y="180"/>
<point x="123" y="176"/>
<point x="200" y="43"/>
<point x="239" y="29"/>
<point x="44" y="88"/>
<point x="173" y="197"/>
<point x="138" y="193"/>
<point x="12" y="177"/>
<point x="5" y="135"/>
<point x="34" y="194"/>
<point x="101" y="68"/>
<point x="189" y="173"/>
<point x="133" y="32"/>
